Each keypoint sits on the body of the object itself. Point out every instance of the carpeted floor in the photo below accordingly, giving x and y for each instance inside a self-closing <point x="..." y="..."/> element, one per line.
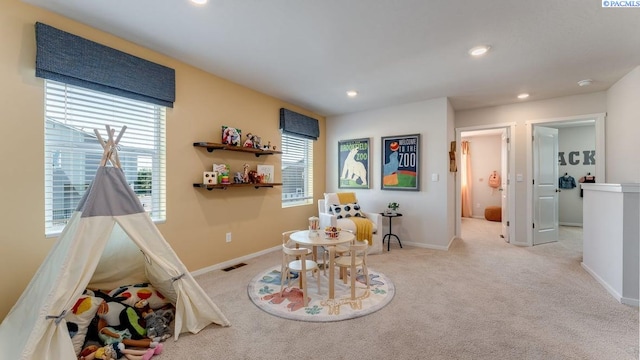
<point x="482" y="299"/>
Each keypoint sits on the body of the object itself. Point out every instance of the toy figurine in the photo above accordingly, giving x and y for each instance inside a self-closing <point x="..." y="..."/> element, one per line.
<point x="249" y="143"/>
<point x="245" y="176"/>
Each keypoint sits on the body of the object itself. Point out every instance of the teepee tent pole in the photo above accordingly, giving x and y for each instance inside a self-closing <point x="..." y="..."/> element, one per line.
<point x="110" y="146"/>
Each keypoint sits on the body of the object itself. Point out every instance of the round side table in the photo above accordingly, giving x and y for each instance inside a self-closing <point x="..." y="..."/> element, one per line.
<point x="388" y="236"/>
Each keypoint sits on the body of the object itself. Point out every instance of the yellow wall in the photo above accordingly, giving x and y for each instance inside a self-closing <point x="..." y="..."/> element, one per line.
<point x="197" y="220"/>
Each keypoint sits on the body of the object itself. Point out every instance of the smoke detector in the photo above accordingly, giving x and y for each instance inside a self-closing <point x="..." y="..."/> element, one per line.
<point x="585" y="82"/>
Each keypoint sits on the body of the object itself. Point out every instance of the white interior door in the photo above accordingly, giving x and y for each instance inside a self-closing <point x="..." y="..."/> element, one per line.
<point x="545" y="185"/>
<point x="504" y="186"/>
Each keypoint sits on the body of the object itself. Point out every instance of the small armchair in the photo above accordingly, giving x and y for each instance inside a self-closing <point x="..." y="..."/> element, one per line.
<point x="328" y="219"/>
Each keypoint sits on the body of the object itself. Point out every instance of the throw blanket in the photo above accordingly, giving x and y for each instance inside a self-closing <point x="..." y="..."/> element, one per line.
<point x="346" y="197"/>
<point x="364" y="227"/>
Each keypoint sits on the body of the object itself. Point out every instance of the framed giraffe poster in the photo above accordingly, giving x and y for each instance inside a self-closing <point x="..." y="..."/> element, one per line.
<point x="353" y="164"/>
<point x="400" y="162"/>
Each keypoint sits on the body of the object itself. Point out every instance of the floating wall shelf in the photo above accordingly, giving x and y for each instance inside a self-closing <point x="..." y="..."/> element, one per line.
<point x="234" y="185"/>
<point x="216" y="146"/>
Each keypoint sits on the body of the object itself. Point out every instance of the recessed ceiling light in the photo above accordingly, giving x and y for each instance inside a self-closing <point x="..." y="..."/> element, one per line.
<point x="523" y="96"/>
<point x="199" y="2"/>
<point x="585" y="82"/>
<point x="352" y="93"/>
<point x="479" y="50"/>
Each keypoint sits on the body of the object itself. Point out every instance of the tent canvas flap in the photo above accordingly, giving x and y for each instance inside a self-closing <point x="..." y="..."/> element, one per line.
<point x="109" y="223"/>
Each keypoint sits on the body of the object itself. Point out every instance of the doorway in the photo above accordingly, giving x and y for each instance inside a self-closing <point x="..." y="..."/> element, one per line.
<point x="494" y="145"/>
<point x="559" y="158"/>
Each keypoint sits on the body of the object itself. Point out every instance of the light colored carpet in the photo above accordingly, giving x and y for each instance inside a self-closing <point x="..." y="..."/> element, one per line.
<point x="264" y="291"/>
<point x="482" y="299"/>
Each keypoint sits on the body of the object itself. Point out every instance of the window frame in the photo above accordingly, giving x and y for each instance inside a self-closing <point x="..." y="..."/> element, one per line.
<point x="296" y="147"/>
<point x="70" y="114"/>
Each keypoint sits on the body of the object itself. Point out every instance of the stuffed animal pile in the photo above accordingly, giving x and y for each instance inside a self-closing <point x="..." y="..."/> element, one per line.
<point x="135" y="316"/>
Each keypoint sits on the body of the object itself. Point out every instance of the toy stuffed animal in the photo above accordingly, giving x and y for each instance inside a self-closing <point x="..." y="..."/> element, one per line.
<point x="253" y="177"/>
<point x="158" y="324"/>
<point x="121" y="317"/>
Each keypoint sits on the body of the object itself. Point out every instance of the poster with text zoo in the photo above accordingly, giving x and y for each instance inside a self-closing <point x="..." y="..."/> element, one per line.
<point x="400" y="161"/>
<point x="353" y="164"/>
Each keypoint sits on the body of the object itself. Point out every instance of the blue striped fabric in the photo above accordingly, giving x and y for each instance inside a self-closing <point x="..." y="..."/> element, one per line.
<point x="74" y="60"/>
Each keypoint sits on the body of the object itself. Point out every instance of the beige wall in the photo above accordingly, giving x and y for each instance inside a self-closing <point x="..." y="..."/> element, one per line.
<point x="197" y="220"/>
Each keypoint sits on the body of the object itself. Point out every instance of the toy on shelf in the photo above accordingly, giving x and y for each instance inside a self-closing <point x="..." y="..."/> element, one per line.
<point x="231" y="136"/>
<point x="249" y="142"/>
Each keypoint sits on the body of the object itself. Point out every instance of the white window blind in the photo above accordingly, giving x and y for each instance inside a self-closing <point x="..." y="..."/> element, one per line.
<point x="73" y="153"/>
<point x="297" y="171"/>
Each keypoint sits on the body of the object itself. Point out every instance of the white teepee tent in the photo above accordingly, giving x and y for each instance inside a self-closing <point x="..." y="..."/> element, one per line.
<point x="109" y="241"/>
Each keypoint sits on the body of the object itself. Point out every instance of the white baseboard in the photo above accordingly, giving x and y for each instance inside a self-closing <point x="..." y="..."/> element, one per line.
<point x="606" y="286"/>
<point x="427" y="246"/>
<point x="629" y="301"/>
<point x="570" y="224"/>
<point x="233" y="261"/>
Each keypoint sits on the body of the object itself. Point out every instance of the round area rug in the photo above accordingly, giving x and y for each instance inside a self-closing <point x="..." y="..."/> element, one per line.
<point x="264" y="291"/>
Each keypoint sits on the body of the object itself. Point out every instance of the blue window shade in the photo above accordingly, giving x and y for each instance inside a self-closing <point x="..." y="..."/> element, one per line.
<point x="292" y="123"/>
<point x="74" y="60"/>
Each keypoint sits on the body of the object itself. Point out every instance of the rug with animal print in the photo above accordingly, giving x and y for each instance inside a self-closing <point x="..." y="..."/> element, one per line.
<point x="264" y="291"/>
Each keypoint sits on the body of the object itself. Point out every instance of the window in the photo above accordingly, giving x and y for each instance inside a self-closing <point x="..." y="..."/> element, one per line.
<point x="73" y="153"/>
<point x="297" y="171"/>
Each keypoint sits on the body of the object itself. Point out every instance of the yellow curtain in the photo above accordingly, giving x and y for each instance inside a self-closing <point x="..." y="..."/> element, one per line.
<point x="466" y="180"/>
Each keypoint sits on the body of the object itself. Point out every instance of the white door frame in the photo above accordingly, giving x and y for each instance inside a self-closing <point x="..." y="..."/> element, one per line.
<point x="600" y="156"/>
<point x="510" y="177"/>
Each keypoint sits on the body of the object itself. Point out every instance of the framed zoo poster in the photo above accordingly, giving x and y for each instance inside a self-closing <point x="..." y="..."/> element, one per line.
<point x="353" y="164"/>
<point x="400" y="162"/>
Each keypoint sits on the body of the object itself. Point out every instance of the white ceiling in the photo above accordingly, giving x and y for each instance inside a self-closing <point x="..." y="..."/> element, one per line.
<point x="310" y="52"/>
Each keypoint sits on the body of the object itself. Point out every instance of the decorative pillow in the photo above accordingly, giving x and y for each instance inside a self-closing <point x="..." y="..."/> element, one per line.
<point x="79" y="318"/>
<point x="132" y="294"/>
<point x="346" y="210"/>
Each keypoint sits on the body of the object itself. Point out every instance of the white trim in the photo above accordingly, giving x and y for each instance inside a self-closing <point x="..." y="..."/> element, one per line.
<point x="619" y="188"/>
<point x="570" y="224"/>
<point x="234" y="261"/>
<point x="600" y="157"/>
<point x="427" y="246"/>
<point x="511" y="126"/>
<point x="621" y="299"/>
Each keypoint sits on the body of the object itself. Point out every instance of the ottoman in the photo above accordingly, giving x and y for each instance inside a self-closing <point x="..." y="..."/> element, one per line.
<point x="493" y="213"/>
